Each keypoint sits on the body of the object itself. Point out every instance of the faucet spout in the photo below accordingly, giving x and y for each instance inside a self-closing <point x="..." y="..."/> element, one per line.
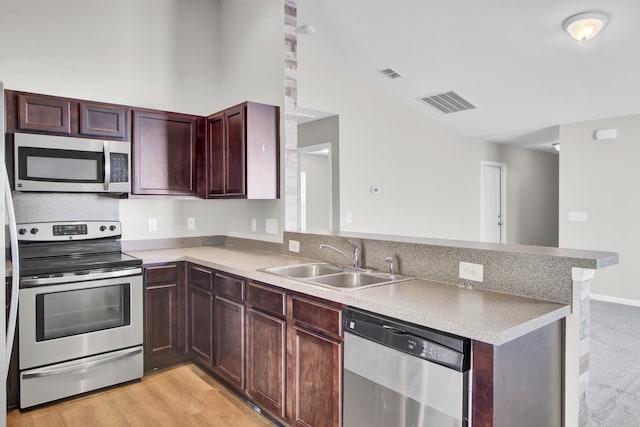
<point x="356" y="254"/>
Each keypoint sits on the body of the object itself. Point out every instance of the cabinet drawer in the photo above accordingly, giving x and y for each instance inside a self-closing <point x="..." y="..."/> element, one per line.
<point x="161" y="274"/>
<point x="201" y="278"/>
<point x="267" y="299"/>
<point x="230" y="287"/>
<point x="317" y="316"/>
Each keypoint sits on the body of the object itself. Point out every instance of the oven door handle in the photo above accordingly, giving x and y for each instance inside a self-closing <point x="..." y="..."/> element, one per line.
<point x="71" y="278"/>
<point x="82" y="367"/>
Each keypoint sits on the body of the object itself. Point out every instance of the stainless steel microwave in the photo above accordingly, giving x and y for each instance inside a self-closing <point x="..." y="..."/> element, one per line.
<point x="65" y="164"/>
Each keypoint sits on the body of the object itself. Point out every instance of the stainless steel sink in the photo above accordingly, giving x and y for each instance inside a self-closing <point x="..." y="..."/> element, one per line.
<point x="350" y="280"/>
<point x="330" y="276"/>
<point x="304" y="270"/>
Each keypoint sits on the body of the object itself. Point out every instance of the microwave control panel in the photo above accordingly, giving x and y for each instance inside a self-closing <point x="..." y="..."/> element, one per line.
<point x="119" y="167"/>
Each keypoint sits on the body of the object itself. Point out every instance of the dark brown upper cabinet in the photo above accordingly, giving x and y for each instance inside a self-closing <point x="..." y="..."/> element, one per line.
<point x="35" y="113"/>
<point x="241" y="158"/>
<point x="44" y="114"/>
<point x="164" y="150"/>
<point x="103" y="120"/>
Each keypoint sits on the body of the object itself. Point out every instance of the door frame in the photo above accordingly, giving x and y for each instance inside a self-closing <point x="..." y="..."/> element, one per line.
<point x="301" y="152"/>
<point x="503" y="198"/>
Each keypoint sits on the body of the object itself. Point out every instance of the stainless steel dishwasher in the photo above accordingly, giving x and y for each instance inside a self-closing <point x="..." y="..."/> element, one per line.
<point x="401" y="375"/>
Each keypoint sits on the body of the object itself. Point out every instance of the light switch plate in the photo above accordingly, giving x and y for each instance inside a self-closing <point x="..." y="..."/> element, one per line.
<point x="153" y="224"/>
<point x="191" y="223"/>
<point x="470" y="271"/>
<point x="254" y="225"/>
<point x="271" y="226"/>
<point x="575" y="216"/>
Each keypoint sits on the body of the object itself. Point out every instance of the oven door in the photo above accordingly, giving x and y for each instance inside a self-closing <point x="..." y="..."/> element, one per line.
<point x="72" y="320"/>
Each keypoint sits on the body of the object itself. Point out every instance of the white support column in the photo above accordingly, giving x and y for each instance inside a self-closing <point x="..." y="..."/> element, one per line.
<point x="576" y="361"/>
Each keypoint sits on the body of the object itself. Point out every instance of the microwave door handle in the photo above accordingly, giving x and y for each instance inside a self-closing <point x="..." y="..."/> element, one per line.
<point x="107" y="165"/>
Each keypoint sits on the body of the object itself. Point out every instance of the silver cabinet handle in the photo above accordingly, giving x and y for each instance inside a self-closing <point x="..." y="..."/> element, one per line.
<point x="107" y="164"/>
<point x="83" y="367"/>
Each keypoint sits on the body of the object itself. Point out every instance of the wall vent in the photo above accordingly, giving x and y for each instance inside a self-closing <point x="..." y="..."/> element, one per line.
<point x="390" y="73"/>
<point x="447" y="102"/>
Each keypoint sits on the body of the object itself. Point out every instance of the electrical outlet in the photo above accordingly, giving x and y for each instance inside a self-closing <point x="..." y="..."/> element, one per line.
<point x="254" y="225"/>
<point x="153" y="224"/>
<point x="349" y="218"/>
<point x="191" y="223"/>
<point x="470" y="271"/>
<point x="294" y="246"/>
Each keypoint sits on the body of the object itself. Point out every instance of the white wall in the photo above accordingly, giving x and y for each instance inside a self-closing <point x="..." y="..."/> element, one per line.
<point x="532" y="196"/>
<point x="320" y="132"/>
<point x="150" y="53"/>
<point x="429" y="176"/>
<point x="317" y="170"/>
<point x="601" y="178"/>
<point x="194" y="57"/>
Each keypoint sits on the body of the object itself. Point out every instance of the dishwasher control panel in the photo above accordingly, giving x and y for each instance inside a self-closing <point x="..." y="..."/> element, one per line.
<point x="427" y="344"/>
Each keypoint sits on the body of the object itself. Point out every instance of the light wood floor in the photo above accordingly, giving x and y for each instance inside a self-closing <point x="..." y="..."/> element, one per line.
<point x="180" y="396"/>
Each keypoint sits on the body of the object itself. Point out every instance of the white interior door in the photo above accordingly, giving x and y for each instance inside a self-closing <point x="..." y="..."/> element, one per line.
<point x="493" y="203"/>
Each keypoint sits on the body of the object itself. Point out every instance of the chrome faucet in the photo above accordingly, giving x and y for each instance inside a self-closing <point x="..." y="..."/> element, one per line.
<point x="392" y="272"/>
<point x="356" y="254"/>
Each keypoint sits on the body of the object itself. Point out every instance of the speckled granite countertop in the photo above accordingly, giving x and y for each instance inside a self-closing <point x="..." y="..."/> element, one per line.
<point x="485" y="316"/>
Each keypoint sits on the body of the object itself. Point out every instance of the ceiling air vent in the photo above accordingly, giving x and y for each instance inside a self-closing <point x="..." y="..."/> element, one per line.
<point x="390" y="73"/>
<point x="448" y="102"/>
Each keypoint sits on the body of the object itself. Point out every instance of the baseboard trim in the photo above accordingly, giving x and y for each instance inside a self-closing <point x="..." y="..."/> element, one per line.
<point x="616" y="300"/>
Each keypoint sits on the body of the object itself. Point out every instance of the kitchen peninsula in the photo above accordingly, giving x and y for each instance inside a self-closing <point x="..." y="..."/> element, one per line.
<point x="516" y="317"/>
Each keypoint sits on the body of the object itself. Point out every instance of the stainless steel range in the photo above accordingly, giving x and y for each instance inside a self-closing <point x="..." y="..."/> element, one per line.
<point x="80" y="316"/>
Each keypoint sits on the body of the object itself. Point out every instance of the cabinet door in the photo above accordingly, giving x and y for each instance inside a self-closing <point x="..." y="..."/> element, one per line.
<point x="44" y="114"/>
<point x="229" y="360"/>
<point x="103" y="120"/>
<point x="216" y="156"/>
<point x="235" y="153"/>
<point x="164" y="327"/>
<point x="315" y="379"/>
<point x="161" y="327"/>
<point x="201" y="324"/>
<point x="266" y="353"/>
<point x="164" y="153"/>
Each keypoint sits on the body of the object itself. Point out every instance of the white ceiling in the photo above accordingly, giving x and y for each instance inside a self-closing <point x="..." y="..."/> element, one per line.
<point x="511" y="58"/>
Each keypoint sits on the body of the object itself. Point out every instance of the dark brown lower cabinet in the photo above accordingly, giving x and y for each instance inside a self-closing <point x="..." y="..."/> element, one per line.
<point x="315" y="384"/>
<point x="201" y="325"/>
<point x="164" y="318"/>
<point x="228" y="333"/>
<point x="266" y="355"/>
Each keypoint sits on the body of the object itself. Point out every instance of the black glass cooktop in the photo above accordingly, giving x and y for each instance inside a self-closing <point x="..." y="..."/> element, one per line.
<point x="70" y="263"/>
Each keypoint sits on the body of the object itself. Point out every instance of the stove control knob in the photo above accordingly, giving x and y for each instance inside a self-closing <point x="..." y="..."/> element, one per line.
<point x="22" y="231"/>
<point x="34" y="231"/>
<point x="103" y="228"/>
<point x="112" y="227"/>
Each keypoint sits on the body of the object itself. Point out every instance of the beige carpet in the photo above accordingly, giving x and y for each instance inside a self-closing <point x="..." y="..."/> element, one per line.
<point x="614" y="378"/>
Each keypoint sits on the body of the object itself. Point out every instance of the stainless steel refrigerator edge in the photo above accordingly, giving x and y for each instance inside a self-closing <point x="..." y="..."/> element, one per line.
<point x="4" y="363"/>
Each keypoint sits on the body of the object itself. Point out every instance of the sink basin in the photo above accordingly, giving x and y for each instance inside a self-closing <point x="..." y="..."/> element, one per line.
<point x="330" y="276"/>
<point x="304" y="271"/>
<point x="350" y="280"/>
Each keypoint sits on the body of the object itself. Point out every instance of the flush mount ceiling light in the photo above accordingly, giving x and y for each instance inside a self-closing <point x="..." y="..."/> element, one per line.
<point x="585" y="26"/>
